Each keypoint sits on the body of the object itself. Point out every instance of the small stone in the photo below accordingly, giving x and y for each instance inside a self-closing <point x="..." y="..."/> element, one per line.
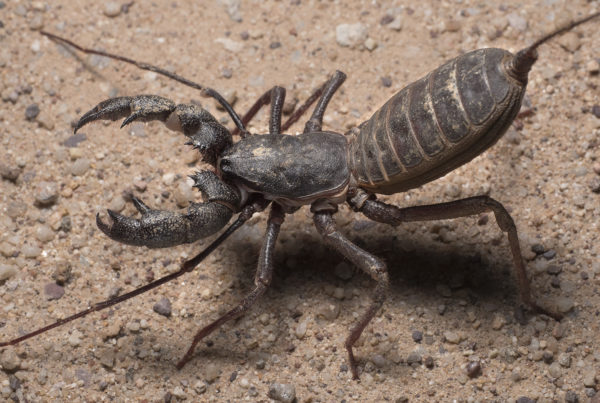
<point x="351" y="35"/>
<point x="62" y="273"/>
<point x="396" y="24"/>
<point x="200" y="387"/>
<point x="329" y="311"/>
<point x="564" y="359"/>
<point x="30" y="251"/>
<point x="414" y="358"/>
<point x="589" y="378"/>
<point x="343" y="271"/>
<point x="226" y="72"/>
<point x="230" y="45"/>
<point x="549" y="254"/>
<point x="569" y="41"/>
<point x="74" y="140"/>
<point x="117" y="204"/>
<point x="386" y="81"/>
<point x="593" y="66"/>
<point x="7" y="271"/>
<point x="429" y="363"/>
<point x="10" y="173"/>
<point x="46" y="194"/>
<point x="571" y="397"/>
<point x="163" y="307"/>
<point x="548" y="357"/>
<point x="233" y="8"/>
<point x="45" y="120"/>
<point x="525" y="399"/>
<point x="452" y="25"/>
<point x="517" y="22"/>
<point x="112" y="9"/>
<point x="32" y="111"/>
<point x="554" y="370"/>
<point x="564" y="304"/>
<point x="179" y="393"/>
<point x="452" y="337"/>
<point x="553" y="269"/>
<point x="417" y="336"/>
<point x="370" y="44"/>
<point x="9" y="360"/>
<point x="80" y="166"/>
<point x="74" y="339"/>
<point x="300" y="331"/>
<point x="107" y="358"/>
<point x="282" y="392"/>
<point x="53" y="291"/>
<point x="184" y="194"/>
<point x="44" y="233"/>
<point x="36" y="23"/>
<point x="473" y="369"/>
<point x="133" y="327"/>
<point x="498" y="322"/>
<point x="212" y="372"/>
<point x="140" y="185"/>
<point x="275" y="45"/>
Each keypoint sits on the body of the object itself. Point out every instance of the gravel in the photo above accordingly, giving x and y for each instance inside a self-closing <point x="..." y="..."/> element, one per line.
<point x="282" y="392"/>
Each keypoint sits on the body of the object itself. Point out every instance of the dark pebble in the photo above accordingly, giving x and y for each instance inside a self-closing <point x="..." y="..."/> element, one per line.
<point x="32" y="111"/>
<point x="474" y="369"/>
<point x="386" y="19"/>
<point x="163" y="307"/>
<point x="233" y="376"/>
<point x="2" y="5"/>
<point x="227" y="72"/>
<point x="429" y="362"/>
<point x="66" y="224"/>
<point x="571" y="397"/>
<point x="584" y="275"/>
<point x="14" y="382"/>
<point x="417" y="336"/>
<point x="414" y="358"/>
<point x="555" y="282"/>
<point x="74" y="140"/>
<point x="548" y="357"/>
<point x="9" y="173"/>
<point x="386" y="82"/>
<point x="553" y="269"/>
<point x="343" y="368"/>
<point x="596" y="111"/>
<point x="244" y="35"/>
<point x="595" y="185"/>
<point x="53" y="291"/>
<point x="260" y="364"/>
<point x="538" y="248"/>
<point x="550" y="254"/>
<point x="524" y="399"/>
<point x="1" y="25"/>
<point x="275" y="45"/>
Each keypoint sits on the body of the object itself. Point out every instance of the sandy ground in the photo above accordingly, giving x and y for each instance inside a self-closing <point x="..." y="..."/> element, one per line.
<point x="451" y="307"/>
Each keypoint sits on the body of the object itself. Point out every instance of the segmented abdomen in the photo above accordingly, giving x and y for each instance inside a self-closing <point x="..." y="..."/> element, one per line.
<point x="437" y="123"/>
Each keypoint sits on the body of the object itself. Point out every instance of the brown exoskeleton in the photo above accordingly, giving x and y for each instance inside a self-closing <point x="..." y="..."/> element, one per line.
<point x="426" y="130"/>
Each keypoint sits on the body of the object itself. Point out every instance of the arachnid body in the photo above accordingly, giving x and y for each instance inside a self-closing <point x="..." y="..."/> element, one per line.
<point x="428" y="129"/>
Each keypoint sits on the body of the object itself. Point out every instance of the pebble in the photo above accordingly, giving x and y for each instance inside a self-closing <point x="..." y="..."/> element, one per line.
<point x="140" y="185"/>
<point x="45" y="120"/>
<point x="569" y="41"/>
<point x="7" y="271"/>
<point x="163" y="307"/>
<point x="380" y="361"/>
<point x="32" y="111"/>
<point x="80" y="166"/>
<point x="351" y="35"/>
<point x="112" y="9"/>
<point x="329" y="311"/>
<point x="74" y="339"/>
<point x="9" y="360"/>
<point x="498" y="322"/>
<point x="74" y="140"/>
<point x="212" y="372"/>
<point x="589" y="378"/>
<point x="396" y="24"/>
<point x="10" y="173"/>
<point x="179" y="393"/>
<point x="417" y="336"/>
<point x="133" y="327"/>
<point x="371" y="44"/>
<point x="46" y="194"/>
<point x="233" y="8"/>
<point x="107" y="358"/>
<point x="282" y="392"/>
<point x="200" y="387"/>
<point x="517" y="22"/>
<point x="53" y="291"/>
<point x="554" y="370"/>
<point x="515" y="376"/>
<point x="564" y="359"/>
<point x="593" y="66"/>
<point x="62" y="273"/>
<point x="300" y="331"/>
<point x="564" y="304"/>
<point x="343" y="270"/>
<point x="414" y="358"/>
<point x="429" y="363"/>
<point x="452" y="337"/>
<point x="553" y="269"/>
<point x="230" y="45"/>
<point x="452" y="25"/>
<point x="44" y="233"/>
<point x="183" y="194"/>
<point x="525" y="399"/>
<point x="30" y="251"/>
<point x="386" y="81"/>
<point x="117" y="204"/>
<point x="571" y="397"/>
<point x="473" y="369"/>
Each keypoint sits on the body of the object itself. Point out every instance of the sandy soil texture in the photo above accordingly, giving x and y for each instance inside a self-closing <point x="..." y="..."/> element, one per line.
<point x="450" y="328"/>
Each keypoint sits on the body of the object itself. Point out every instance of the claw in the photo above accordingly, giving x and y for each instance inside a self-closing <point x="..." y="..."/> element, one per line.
<point x="161" y="229"/>
<point x="141" y="107"/>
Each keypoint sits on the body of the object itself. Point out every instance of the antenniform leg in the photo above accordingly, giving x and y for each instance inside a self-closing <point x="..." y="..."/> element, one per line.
<point x="262" y="280"/>
<point x="368" y="263"/>
<point x="388" y="214"/>
<point x="205" y="132"/>
<point x="161" y="229"/>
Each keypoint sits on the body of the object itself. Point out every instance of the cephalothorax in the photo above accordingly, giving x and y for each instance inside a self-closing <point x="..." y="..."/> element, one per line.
<point x="426" y="130"/>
